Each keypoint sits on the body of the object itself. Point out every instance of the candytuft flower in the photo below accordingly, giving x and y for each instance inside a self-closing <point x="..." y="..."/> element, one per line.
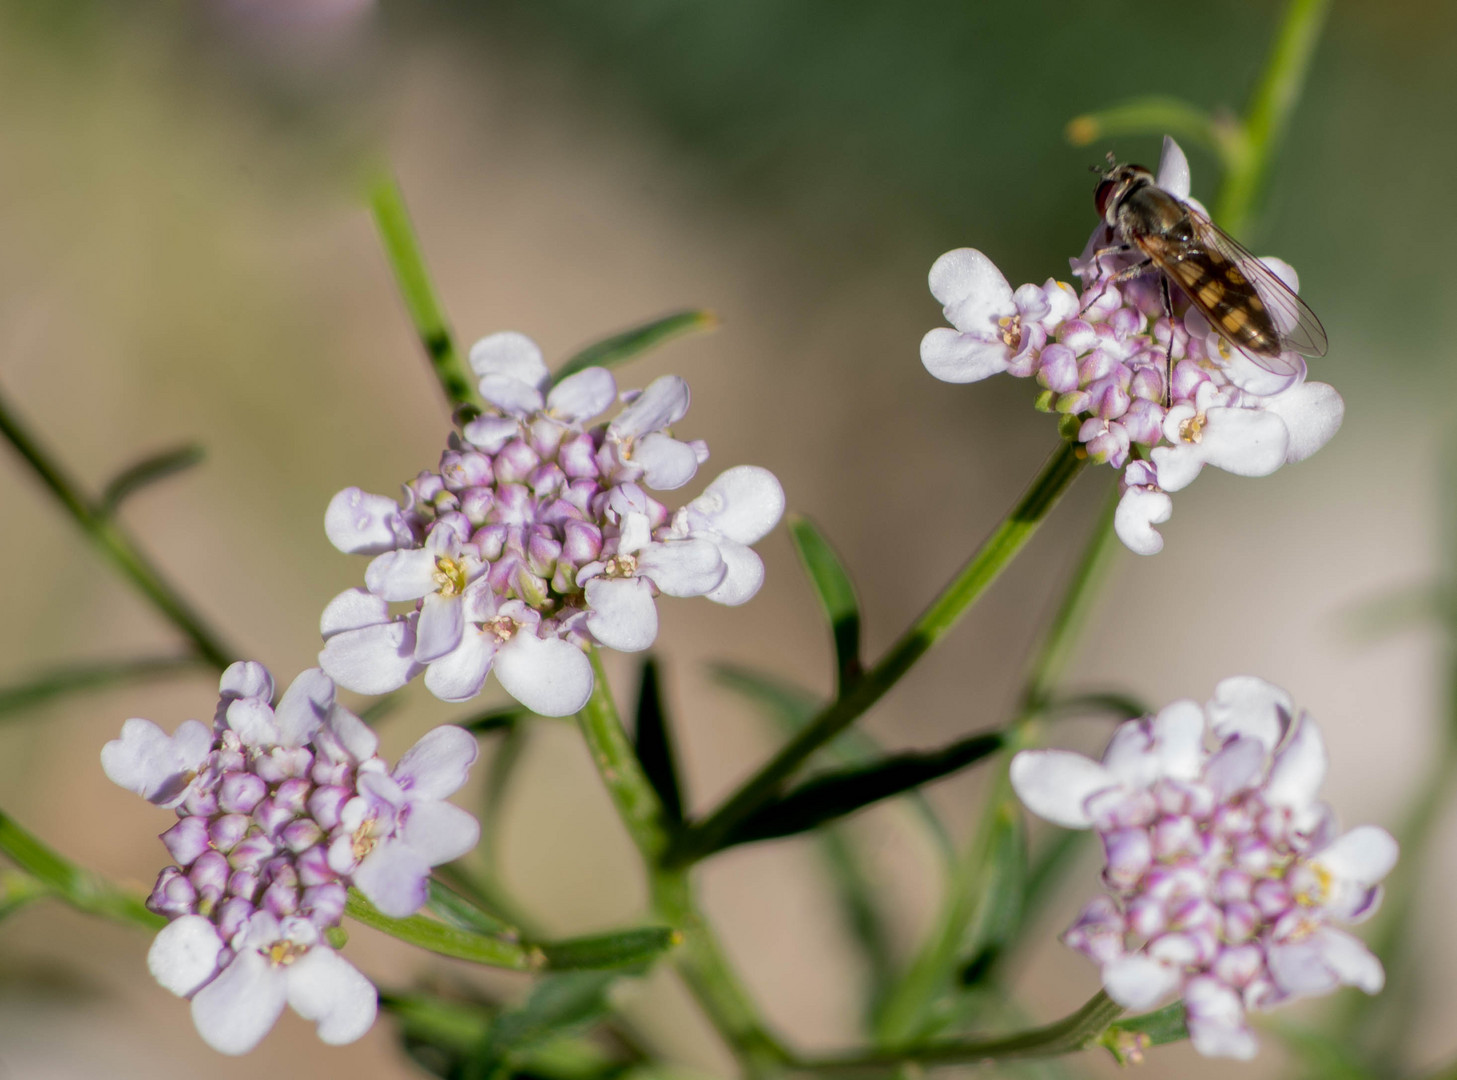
<point x="1229" y="881"/>
<point x="279" y="810"/>
<point x="1101" y="359"/>
<point x="537" y="538"/>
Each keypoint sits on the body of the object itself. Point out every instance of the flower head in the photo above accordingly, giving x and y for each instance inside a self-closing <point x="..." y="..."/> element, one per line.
<point x="1103" y="360"/>
<point x="279" y="809"/>
<point x="1228" y="880"/>
<point x="537" y="537"/>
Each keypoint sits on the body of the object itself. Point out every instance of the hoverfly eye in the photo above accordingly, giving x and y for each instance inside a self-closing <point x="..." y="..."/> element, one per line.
<point x="1104" y="194"/>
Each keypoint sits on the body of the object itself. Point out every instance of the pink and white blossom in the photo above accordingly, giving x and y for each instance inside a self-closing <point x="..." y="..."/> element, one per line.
<point x="1229" y="880"/>
<point x="1102" y="362"/>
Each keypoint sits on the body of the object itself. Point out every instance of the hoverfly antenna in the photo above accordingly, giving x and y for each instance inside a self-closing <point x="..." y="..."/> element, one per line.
<point x="1112" y="161"/>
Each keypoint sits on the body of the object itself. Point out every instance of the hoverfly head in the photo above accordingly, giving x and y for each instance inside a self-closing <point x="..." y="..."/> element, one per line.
<point x="1118" y="181"/>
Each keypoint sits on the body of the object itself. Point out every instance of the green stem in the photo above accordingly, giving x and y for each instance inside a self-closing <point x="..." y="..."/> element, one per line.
<point x="82" y="677"/>
<point x="82" y="889"/>
<point x="944" y="612"/>
<point x="113" y="542"/>
<point x="1269" y="111"/>
<point x="1075" y="1032"/>
<point x="402" y="248"/>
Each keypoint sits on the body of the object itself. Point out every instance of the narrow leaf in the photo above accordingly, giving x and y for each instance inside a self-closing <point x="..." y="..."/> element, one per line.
<point x="496" y="719"/>
<point x="70" y="680"/>
<point x="834" y="795"/>
<point x="1127" y="1039"/>
<point x="620" y="348"/>
<point x="447" y="940"/>
<point x="147" y="471"/>
<point x="836" y="594"/>
<point x="1123" y="706"/>
<point x="558" y="1005"/>
<point x="454" y="908"/>
<point x="654" y="745"/>
<point x="1156" y="115"/>
<point x="1001" y="905"/>
<point x="862" y="916"/>
<point x="17" y="890"/>
<point x="624" y="948"/>
<point x="82" y="889"/>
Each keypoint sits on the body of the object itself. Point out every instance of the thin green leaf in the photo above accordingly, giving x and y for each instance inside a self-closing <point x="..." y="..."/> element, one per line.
<point x="495" y="719"/>
<point x="402" y="248"/>
<point x="447" y="940"/>
<point x="1398" y="610"/>
<point x="1158" y="115"/>
<point x="620" y="348"/>
<point x="834" y="795"/>
<point x="455" y="908"/>
<point x="1127" y="1039"/>
<point x="1123" y="706"/>
<point x="558" y="1005"/>
<point x="862" y="916"/>
<point x="381" y="707"/>
<point x="147" y="471"/>
<point x="70" y="680"/>
<point x="1000" y="910"/>
<point x="653" y="742"/>
<point x="80" y="888"/>
<point x="836" y="594"/>
<point x="623" y="948"/>
<point x="18" y="890"/>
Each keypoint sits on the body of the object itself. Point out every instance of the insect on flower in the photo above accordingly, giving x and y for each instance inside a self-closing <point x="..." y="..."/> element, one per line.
<point x="1255" y="312"/>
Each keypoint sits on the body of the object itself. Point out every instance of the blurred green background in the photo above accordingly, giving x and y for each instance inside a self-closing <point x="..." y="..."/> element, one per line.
<point x="184" y="256"/>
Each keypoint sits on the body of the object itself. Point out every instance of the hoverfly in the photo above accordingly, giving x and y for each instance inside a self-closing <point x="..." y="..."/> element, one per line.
<point x="1255" y="312"/>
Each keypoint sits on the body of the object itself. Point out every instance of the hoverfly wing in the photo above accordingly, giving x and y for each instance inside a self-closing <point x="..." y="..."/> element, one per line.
<point x="1298" y="328"/>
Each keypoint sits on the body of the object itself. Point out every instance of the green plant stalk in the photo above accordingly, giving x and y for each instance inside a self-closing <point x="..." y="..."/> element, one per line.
<point x="1005" y="542"/>
<point x="82" y="677"/>
<point x="82" y="889"/>
<point x="114" y="543"/>
<point x="1078" y="1031"/>
<point x="700" y="960"/>
<point x="402" y="248"/>
<point x="1268" y="115"/>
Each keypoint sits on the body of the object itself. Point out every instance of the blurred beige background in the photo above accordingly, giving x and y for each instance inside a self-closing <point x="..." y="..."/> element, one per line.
<point x="184" y="258"/>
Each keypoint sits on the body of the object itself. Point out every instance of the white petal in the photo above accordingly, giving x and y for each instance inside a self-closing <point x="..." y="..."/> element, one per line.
<point x="402" y="575"/>
<point x="490" y="433"/>
<point x="358" y="523"/>
<point x="742" y="503"/>
<point x="303" y="707"/>
<point x="1216" y="1019"/>
<point x="961" y="358"/>
<point x="551" y="678"/>
<point x="689" y="567"/>
<point x="666" y="462"/>
<point x="253" y="721"/>
<point x="184" y="955"/>
<point x="1249" y="706"/>
<point x="1056" y="784"/>
<point x="354" y="735"/>
<point x="662" y="404"/>
<point x="372" y="660"/>
<point x="438" y="764"/>
<point x="1312" y="413"/>
<point x="234" y="1011"/>
<point x="158" y="767"/>
<point x="743" y="574"/>
<point x="1178" y="731"/>
<point x="440" y="832"/>
<point x="1246" y="442"/>
<point x="973" y="292"/>
<point x="460" y="674"/>
<point x="246" y="678"/>
<point x="1177" y="466"/>
<point x="622" y="614"/>
<point x="1299" y="767"/>
<point x="393" y="877"/>
<point x="1299" y="967"/>
<point x="442" y="621"/>
<point x="509" y="354"/>
<point x="351" y="610"/>
<point x="1350" y="960"/>
<point x="511" y="395"/>
<point x="1173" y="170"/>
<point x="1139" y="510"/>
<point x="1235" y="767"/>
<point x="1242" y="370"/>
<point x="326" y="988"/>
<point x="584" y="395"/>
<point x="1138" y="982"/>
<point x="1364" y="855"/>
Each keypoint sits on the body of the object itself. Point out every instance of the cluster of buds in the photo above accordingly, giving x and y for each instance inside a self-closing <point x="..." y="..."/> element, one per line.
<point x="279" y="810"/>
<point x="1228" y="878"/>
<point x="1154" y="395"/>
<point x="536" y="538"/>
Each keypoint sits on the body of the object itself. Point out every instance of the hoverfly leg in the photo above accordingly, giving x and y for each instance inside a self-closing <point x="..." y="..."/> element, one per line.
<point x="1122" y="275"/>
<point x="1168" y="302"/>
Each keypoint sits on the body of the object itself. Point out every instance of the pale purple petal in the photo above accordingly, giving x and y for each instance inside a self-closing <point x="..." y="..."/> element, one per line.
<point x="253" y="721"/>
<point x="246" y="678"/>
<point x="1178" y="733"/>
<point x="440" y="832"/>
<point x="1139" y="510"/>
<point x="1056" y="784"/>
<point x="962" y="358"/>
<point x="358" y="523"/>
<point x="1216" y="1020"/>
<point x="372" y="660"/>
<point x="1365" y="855"/>
<point x="663" y="403"/>
<point x="742" y="503"/>
<point x="689" y="567"/>
<point x="1173" y="170"/>
<point x="442" y="621"/>
<point x="1249" y="706"/>
<point x="1350" y="960"/>
<point x="551" y="678"/>
<point x="666" y="462"/>
<point x="1137" y="981"/>
<point x="354" y="735"/>
<point x="743" y="574"/>
<point x="460" y="674"/>
<point x="1237" y="766"/>
<point x="623" y="614"/>
<point x="393" y="877"/>
<point x="510" y="354"/>
<point x="1299" y="767"/>
<point x="351" y="610"/>
<point x="582" y="396"/>
<point x="234" y="1011"/>
<point x="972" y="291"/>
<point x="1312" y="413"/>
<point x="402" y="575"/>
<point x="303" y="707"/>
<point x="490" y="433"/>
<point x="324" y="987"/>
<point x="184" y="955"/>
<point x="438" y="764"/>
<point x="154" y="765"/>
